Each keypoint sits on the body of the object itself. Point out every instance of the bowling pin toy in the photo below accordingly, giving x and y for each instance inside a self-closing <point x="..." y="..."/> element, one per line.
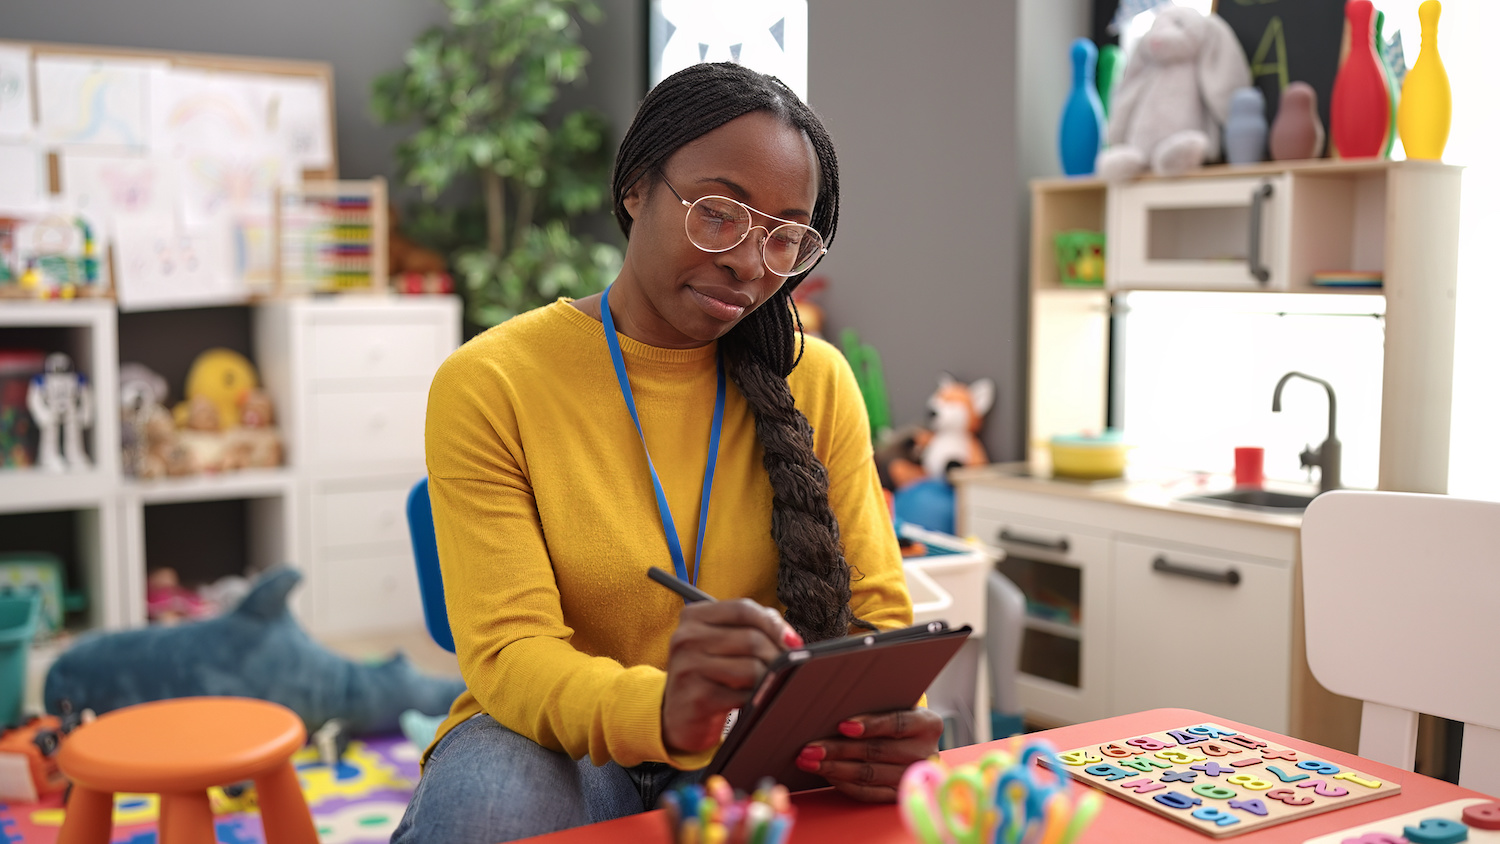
<point x="1392" y="90"/>
<point x="1245" y="130"/>
<point x="1426" y="100"/>
<point x="1080" y="133"/>
<point x="1111" y="65"/>
<point x="1297" y="131"/>
<point x="1360" y="112"/>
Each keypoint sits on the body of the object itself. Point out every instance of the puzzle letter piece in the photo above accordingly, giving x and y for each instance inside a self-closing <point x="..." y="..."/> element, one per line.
<point x="1436" y="831"/>
<point x="1483" y="816"/>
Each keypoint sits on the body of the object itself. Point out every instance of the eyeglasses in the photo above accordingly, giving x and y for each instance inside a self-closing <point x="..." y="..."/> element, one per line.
<point x="719" y="224"/>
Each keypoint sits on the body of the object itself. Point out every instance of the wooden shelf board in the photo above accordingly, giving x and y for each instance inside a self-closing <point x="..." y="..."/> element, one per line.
<point x="248" y="483"/>
<point x="34" y="491"/>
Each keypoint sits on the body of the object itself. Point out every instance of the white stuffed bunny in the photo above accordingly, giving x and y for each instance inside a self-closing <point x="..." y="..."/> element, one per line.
<point x="1168" y="110"/>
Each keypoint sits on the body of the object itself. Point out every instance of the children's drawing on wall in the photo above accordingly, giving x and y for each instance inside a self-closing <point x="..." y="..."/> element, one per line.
<point x="90" y="102"/>
<point x="161" y="265"/>
<point x="198" y="111"/>
<point x="22" y="187"/>
<point x="15" y="93"/>
<point x="104" y="188"/>
<point x="213" y="188"/>
<point x="296" y="114"/>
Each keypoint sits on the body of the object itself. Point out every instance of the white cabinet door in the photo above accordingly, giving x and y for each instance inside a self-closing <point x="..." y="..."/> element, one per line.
<point x="1200" y="234"/>
<point x="366" y="594"/>
<point x="1063" y="570"/>
<point x="1202" y="631"/>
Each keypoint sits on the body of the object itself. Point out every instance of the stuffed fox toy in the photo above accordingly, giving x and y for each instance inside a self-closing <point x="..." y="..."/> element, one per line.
<point x="952" y="439"/>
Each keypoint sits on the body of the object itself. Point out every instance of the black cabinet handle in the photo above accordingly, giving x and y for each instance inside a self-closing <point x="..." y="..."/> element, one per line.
<point x="1231" y="577"/>
<point x="1257" y="202"/>
<point x="1058" y="545"/>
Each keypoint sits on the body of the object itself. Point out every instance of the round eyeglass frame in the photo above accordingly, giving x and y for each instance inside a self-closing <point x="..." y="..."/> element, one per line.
<point x="812" y="261"/>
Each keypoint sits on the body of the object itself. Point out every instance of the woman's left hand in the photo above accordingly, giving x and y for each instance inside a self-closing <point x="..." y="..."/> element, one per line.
<point x="868" y="764"/>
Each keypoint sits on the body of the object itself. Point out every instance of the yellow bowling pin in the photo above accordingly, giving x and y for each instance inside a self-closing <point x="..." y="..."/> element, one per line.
<point x="1426" y="107"/>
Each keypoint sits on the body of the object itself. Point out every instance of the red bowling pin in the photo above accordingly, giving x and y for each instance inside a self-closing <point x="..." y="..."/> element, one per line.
<point x="1360" y="111"/>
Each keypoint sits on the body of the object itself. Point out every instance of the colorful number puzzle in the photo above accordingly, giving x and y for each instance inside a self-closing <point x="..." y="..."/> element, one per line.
<point x="1219" y="781"/>
<point x="1475" y="820"/>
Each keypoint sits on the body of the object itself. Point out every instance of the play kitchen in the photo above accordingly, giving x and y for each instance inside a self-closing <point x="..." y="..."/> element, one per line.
<point x="1177" y="429"/>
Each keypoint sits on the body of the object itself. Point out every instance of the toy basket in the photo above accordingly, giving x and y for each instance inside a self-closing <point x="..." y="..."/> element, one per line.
<point x="1080" y="257"/>
<point x="18" y="618"/>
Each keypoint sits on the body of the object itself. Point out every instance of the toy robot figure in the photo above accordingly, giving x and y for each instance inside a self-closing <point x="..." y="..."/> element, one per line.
<point x="62" y="405"/>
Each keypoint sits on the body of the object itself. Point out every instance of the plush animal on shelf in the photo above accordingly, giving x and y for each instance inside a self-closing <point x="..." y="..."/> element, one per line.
<point x="957" y="412"/>
<point x="220" y="377"/>
<point x="255" y="444"/>
<point x="1168" y="112"/>
<point x="257" y="650"/>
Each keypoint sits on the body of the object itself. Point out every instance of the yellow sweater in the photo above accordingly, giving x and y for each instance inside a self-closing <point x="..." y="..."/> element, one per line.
<point x="547" y="521"/>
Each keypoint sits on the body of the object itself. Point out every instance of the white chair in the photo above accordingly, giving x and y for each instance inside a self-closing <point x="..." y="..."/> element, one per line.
<point x="1401" y="594"/>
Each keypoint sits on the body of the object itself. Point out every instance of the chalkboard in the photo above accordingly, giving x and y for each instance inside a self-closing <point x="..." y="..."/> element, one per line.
<point x="1289" y="41"/>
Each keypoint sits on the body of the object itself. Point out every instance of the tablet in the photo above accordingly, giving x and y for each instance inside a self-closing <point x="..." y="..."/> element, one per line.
<point x="807" y="691"/>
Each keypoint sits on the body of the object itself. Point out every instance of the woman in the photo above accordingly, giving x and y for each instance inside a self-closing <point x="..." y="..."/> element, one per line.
<point x="552" y="438"/>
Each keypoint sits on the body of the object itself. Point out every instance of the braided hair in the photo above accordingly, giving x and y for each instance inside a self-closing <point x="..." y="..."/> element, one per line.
<point x="761" y="350"/>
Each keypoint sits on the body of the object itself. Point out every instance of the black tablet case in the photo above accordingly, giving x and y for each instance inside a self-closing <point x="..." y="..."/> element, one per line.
<point x="808" y="691"/>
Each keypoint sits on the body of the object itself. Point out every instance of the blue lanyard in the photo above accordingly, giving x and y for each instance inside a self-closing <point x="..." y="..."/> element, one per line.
<point x="713" y="450"/>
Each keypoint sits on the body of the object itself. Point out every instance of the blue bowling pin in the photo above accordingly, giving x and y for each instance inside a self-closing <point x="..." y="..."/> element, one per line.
<point x="1080" y="134"/>
<point x="1245" y="130"/>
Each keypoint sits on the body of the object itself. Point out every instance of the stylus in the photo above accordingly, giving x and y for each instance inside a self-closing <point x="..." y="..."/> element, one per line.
<point x="688" y="591"/>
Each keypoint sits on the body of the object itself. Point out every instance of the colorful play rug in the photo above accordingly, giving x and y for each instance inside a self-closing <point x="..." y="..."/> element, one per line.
<point x="360" y="802"/>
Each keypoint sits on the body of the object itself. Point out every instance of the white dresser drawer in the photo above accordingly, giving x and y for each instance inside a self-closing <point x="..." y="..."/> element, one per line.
<point x="368" y="594"/>
<point x="362" y="517"/>
<point x="366" y="427"/>
<point x="393" y="349"/>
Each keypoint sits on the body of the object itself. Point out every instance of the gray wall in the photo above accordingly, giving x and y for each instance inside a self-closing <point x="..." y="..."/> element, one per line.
<point x="921" y="101"/>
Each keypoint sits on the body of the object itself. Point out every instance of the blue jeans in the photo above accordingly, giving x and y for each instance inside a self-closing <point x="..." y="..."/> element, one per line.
<point x="485" y="784"/>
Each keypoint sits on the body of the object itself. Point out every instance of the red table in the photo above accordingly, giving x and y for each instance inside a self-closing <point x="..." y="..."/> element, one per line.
<point x="827" y="816"/>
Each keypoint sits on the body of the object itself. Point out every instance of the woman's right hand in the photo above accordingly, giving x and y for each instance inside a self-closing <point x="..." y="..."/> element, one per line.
<point x="719" y="652"/>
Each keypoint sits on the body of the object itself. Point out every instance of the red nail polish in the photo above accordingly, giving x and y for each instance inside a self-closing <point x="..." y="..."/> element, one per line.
<point x="791" y="638"/>
<point x="852" y="729"/>
<point x="811" y="754"/>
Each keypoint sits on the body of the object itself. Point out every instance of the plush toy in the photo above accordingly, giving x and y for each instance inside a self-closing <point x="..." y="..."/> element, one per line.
<point x="255" y="444"/>
<point x="1169" y="109"/>
<point x="221" y="377"/>
<point x="950" y="439"/>
<point x="958" y="411"/>
<point x="414" y="268"/>
<point x="201" y="435"/>
<point x="257" y="650"/>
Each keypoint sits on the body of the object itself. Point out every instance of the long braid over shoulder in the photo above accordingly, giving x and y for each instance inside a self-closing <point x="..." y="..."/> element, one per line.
<point x="813" y="579"/>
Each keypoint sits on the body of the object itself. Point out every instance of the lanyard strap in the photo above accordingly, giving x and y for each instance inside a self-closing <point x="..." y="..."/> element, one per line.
<point x="673" y="544"/>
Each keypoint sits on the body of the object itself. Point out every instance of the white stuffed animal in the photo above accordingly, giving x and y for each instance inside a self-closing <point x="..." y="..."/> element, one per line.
<point x="1170" y="106"/>
<point x="958" y="411"/>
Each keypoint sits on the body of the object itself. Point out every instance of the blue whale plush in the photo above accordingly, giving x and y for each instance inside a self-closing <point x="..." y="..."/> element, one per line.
<point x="257" y="650"/>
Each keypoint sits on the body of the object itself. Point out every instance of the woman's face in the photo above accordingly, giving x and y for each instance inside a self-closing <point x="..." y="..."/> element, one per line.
<point x="670" y="293"/>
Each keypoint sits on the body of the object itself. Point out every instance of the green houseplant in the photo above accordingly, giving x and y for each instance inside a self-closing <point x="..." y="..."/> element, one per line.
<point x="483" y="90"/>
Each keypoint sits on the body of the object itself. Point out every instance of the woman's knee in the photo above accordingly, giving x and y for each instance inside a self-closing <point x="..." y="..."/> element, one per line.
<point x="485" y="783"/>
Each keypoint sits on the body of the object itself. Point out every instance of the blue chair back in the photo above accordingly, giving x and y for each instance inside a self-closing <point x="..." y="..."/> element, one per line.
<point x="429" y="575"/>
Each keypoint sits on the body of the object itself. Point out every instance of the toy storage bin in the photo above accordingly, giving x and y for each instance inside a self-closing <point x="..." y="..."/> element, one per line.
<point x="18" y="619"/>
<point x="1080" y="257"/>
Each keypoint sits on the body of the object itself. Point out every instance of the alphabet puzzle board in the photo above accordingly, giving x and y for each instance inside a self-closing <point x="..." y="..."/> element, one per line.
<point x="1219" y="781"/>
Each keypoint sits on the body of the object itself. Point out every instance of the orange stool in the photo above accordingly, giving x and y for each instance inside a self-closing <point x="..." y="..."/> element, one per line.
<point x="179" y="748"/>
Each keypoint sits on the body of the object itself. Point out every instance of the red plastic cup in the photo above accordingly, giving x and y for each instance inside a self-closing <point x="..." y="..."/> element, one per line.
<point x="1249" y="466"/>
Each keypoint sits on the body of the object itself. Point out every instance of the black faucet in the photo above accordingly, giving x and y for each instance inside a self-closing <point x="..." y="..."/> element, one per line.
<point x="1329" y="457"/>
